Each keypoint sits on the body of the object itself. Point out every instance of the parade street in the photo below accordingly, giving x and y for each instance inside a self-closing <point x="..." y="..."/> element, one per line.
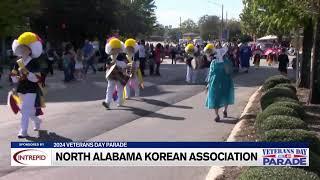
<point x="168" y="110"/>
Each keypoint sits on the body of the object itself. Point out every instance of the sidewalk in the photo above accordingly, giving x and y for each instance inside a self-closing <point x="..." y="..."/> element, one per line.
<point x="191" y="122"/>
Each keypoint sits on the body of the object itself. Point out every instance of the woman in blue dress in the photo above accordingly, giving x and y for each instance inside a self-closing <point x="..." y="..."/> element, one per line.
<point x="220" y="85"/>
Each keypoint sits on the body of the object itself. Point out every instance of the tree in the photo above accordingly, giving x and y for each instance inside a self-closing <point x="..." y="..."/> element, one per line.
<point x="159" y="30"/>
<point x="209" y="27"/>
<point x="280" y="17"/>
<point x="14" y="17"/>
<point x="189" y="26"/>
<point x="314" y="96"/>
<point x="136" y="17"/>
<point x="234" y="28"/>
<point x="76" y="20"/>
<point x="260" y="17"/>
<point x="174" y="34"/>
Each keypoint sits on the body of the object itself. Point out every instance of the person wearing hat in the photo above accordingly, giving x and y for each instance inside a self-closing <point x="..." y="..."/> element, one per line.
<point x="27" y="98"/>
<point x="191" y="72"/>
<point x="114" y="47"/>
<point x="208" y="51"/>
<point x="220" y="88"/>
<point x="136" y="80"/>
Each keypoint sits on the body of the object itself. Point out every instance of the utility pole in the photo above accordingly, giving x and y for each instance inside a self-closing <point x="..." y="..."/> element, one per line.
<point x="221" y="29"/>
<point x="180" y="29"/>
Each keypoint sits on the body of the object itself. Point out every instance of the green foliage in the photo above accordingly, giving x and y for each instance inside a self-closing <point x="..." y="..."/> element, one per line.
<point x="270" y="96"/>
<point x="268" y="102"/>
<point x="275" y="110"/>
<point x="188" y="26"/>
<point x="293" y="135"/>
<point x="234" y="27"/>
<point x="282" y="122"/>
<point x="273" y="81"/>
<point x="287" y="85"/>
<point x="261" y="17"/>
<point x="296" y="106"/>
<point x="277" y="173"/>
<point x="209" y="27"/>
<point x="62" y="19"/>
<point x="314" y="162"/>
<point x="14" y="15"/>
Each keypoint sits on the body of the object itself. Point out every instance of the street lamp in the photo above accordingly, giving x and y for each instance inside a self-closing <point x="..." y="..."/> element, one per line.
<point x="221" y="28"/>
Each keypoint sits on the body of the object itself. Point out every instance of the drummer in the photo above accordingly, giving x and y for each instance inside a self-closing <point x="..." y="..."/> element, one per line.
<point x="136" y="79"/>
<point x="114" y="47"/>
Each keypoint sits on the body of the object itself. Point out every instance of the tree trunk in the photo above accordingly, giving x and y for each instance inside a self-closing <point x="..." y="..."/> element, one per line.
<point x="314" y="96"/>
<point x="306" y="54"/>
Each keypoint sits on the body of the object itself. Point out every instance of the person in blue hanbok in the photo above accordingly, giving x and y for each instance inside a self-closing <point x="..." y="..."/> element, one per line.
<point x="245" y="55"/>
<point x="220" y="88"/>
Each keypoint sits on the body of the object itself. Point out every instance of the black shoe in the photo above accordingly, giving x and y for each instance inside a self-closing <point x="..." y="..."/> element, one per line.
<point x="217" y="119"/>
<point x="225" y="114"/>
<point x="106" y="105"/>
<point x="22" y="136"/>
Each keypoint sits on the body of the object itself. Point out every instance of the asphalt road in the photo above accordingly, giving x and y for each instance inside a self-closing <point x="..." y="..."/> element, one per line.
<point x="169" y="110"/>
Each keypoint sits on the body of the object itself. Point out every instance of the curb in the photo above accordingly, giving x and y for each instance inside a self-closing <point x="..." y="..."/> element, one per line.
<point x="216" y="171"/>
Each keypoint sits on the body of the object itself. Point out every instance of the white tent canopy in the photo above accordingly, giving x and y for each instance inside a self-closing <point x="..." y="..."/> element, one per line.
<point x="269" y="37"/>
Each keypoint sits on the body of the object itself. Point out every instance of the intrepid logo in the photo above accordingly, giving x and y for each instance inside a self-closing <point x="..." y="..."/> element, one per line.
<point x="27" y="156"/>
<point x="285" y="157"/>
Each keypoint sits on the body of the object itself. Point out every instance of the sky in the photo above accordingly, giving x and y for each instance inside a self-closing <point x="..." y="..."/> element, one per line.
<point x="169" y="11"/>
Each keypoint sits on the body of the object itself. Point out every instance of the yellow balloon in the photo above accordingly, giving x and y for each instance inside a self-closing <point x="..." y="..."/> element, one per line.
<point x="27" y="38"/>
<point x="115" y="43"/>
<point x="130" y="43"/>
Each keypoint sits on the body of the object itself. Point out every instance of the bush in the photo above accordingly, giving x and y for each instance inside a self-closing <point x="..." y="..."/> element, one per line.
<point x="277" y="173"/>
<point x="267" y="102"/>
<point x="314" y="163"/>
<point x="296" y="106"/>
<point x="275" y="110"/>
<point x="287" y="85"/>
<point x="282" y="122"/>
<point x="293" y="135"/>
<point x="273" y="81"/>
<point x="276" y="92"/>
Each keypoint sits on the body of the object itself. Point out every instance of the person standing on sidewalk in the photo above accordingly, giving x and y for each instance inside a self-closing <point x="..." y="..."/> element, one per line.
<point x="283" y="60"/>
<point x="142" y="56"/>
<point x="151" y="60"/>
<point x="68" y="58"/>
<point x="158" y="57"/>
<point x="257" y="53"/>
<point x="173" y="53"/>
<point x="220" y="88"/>
<point x="51" y="54"/>
<point x="88" y="53"/>
<point x="245" y="55"/>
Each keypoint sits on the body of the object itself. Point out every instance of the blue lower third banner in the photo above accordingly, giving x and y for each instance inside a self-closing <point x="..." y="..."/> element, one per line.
<point x="159" y="154"/>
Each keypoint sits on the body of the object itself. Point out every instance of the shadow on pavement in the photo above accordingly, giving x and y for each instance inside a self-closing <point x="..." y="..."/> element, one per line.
<point x="162" y="104"/>
<point x="229" y="120"/>
<point x="153" y="91"/>
<point x="145" y="113"/>
<point x="44" y="135"/>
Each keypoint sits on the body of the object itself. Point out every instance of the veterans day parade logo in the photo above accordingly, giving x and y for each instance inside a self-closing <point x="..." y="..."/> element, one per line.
<point x="157" y="154"/>
<point x="285" y="157"/>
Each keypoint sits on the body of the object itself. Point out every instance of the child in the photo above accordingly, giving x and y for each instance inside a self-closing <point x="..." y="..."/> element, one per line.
<point x="79" y="65"/>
